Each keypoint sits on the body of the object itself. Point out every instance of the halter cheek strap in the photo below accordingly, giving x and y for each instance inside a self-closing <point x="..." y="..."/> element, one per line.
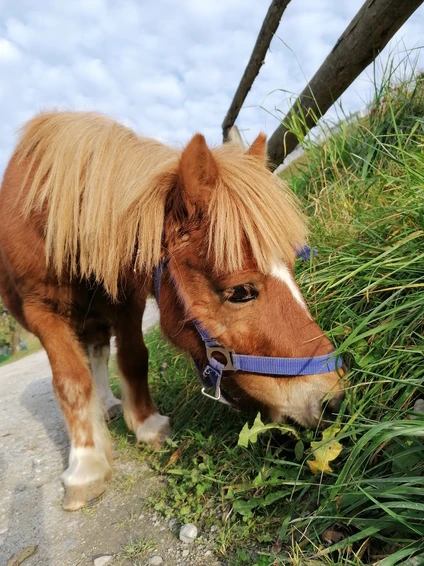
<point x="220" y="358"/>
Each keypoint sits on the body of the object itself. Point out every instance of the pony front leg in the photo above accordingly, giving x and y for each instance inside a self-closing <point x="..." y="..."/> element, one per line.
<point x="90" y="454"/>
<point x="140" y="413"/>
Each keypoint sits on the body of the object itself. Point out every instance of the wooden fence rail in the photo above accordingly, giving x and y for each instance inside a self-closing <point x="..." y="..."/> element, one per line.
<point x="367" y="34"/>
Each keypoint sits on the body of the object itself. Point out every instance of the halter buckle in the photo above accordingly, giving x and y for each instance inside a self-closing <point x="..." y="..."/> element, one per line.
<point x="225" y="352"/>
<point x="216" y="397"/>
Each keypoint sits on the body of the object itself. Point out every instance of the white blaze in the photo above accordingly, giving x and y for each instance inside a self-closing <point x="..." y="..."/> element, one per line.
<point x="282" y="273"/>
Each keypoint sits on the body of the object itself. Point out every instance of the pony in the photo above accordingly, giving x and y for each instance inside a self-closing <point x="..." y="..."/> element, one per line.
<point x="94" y="219"/>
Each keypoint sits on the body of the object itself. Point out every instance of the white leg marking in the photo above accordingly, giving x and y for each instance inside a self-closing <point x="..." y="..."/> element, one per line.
<point x="90" y="463"/>
<point x="282" y="273"/>
<point x="154" y="429"/>
<point x="99" y="356"/>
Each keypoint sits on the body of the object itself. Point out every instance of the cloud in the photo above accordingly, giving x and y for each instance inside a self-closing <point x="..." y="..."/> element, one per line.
<point x="166" y="69"/>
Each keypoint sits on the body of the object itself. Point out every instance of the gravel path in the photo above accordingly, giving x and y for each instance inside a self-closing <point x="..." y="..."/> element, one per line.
<point x="34" y="450"/>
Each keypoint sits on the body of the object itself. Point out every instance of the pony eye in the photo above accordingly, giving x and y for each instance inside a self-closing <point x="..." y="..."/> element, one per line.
<point x="241" y="294"/>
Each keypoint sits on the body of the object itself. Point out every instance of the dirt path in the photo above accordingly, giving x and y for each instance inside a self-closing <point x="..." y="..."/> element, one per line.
<point x="34" y="450"/>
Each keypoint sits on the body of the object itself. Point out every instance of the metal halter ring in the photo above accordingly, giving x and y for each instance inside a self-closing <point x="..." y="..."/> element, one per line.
<point x="226" y="353"/>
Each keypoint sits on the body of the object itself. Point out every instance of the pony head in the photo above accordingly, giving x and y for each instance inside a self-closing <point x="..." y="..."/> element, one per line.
<point x="230" y="237"/>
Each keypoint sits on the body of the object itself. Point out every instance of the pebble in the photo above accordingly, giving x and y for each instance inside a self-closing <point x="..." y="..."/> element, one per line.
<point x="102" y="560"/>
<point x="188" y="532"/>
<point x="419" y="406"/>
<point x="186" y="552"/>
<point x="173" y="524"/>
<point x="155" y="560"/>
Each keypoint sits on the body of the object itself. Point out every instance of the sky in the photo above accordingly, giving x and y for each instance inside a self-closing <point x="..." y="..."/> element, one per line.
<point x="169" y="68"/>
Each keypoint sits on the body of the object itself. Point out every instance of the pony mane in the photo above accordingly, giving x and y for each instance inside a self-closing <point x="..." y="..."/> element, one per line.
<point x="105" y="190"/>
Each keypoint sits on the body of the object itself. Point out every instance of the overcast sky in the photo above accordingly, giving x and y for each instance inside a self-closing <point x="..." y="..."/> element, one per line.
<point x="167" y="68"/>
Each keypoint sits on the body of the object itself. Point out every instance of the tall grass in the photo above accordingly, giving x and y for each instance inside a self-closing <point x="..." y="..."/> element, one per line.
<point x="364" y="190"/>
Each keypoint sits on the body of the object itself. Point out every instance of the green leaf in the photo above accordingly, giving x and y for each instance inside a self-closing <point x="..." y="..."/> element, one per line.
<point x="251" y="434"/>
<point x="245" y="507"/>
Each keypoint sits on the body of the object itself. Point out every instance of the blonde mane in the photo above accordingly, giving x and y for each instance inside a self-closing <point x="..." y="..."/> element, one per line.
<point x="105" y="191"/>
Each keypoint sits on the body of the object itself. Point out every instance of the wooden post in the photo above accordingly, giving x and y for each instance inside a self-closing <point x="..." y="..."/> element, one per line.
<point x="367" y="34"/>
<point x="269" y="27"/>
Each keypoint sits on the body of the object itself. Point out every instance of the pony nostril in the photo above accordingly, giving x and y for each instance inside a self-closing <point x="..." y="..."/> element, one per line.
<point x="336" y="402"/>
<point x="332" y="407"/>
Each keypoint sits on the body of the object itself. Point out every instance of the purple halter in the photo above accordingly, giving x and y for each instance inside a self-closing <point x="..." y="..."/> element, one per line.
<point x="212" y="374"/>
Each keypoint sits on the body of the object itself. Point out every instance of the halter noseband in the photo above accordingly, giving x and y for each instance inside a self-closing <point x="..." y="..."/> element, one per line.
<point x="212" y="374"/>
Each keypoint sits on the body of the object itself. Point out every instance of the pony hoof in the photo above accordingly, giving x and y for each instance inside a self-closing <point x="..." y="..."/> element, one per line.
<point x="154" y="431"/>
<point x="113" y="411"/>
<point x="78" y="496"/>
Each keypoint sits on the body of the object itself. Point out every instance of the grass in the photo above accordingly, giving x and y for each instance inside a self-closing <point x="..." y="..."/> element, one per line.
<point x="33" y="346"/>
<point x="137" y="547"/>
<point x="363" y="188"/>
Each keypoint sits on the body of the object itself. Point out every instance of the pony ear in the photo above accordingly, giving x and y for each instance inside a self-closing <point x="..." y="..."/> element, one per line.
<point x="258" y="148"/>
<point x="198" y="171"/>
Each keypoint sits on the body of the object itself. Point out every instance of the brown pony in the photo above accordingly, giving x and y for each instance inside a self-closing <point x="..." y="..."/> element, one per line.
<point x="87" y="210"/>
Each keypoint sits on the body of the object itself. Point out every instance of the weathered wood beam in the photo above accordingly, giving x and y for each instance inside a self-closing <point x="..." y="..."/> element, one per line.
<point x="267" y="31"/>
<point x="367" y="34"/>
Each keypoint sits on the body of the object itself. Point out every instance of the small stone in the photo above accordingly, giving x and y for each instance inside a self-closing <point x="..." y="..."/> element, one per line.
<point x="155" y="560"/>
<point x="173" y="525"/>
<point x="208" y="553"/>
<point x="214" y="528"/>
<point x="419" y="406"/>
<point x="186" y="552"/>
<point x="102" y="560"/>
<point x="188" y="532"/>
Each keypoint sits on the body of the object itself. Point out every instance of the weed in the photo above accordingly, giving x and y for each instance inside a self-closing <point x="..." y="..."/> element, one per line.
<point x="137" y="547"/>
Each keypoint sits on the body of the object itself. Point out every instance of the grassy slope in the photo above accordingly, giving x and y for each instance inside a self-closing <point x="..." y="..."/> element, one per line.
<point x="364" y="189"/>
<point x="33" y="346"/>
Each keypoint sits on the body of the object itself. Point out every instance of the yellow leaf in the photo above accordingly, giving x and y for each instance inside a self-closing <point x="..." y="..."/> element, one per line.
<point x="325" y="450"/>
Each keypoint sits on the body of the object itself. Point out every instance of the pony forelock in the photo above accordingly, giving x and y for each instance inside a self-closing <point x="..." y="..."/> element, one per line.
<point x="251" y="204"/>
